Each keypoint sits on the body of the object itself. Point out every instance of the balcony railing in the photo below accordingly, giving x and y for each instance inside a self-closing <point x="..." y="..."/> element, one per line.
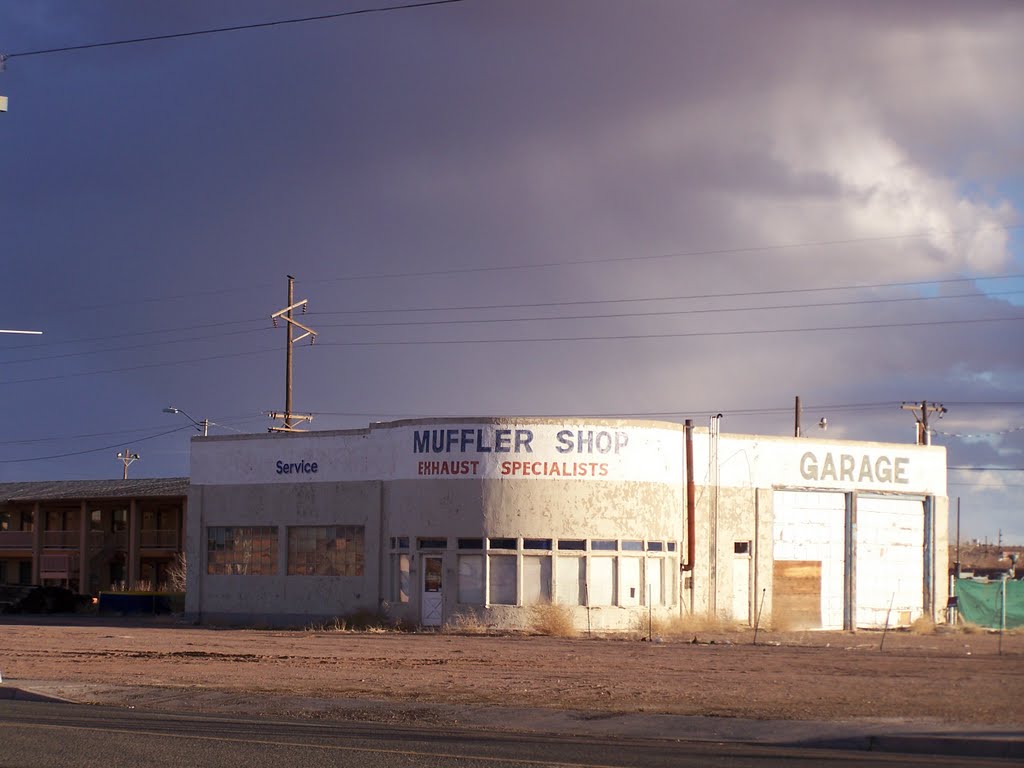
<point x="60" y="539"/>
<point x="57" y="566"/>
<point x="159" y="539"/>
<point x="15" y="539"/>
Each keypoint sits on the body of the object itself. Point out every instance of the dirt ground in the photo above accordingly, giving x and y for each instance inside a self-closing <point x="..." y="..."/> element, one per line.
<point x="948" y="676"/>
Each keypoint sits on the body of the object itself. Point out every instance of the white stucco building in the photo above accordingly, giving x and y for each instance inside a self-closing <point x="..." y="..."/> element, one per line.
<point x="426" y="519"/>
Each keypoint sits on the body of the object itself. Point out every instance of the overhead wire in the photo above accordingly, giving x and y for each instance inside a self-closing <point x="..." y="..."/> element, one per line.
<point x="231" y="28"/>
<point x="485" y="321"/>
<point x="94" y="450"/>
<point x="529" y="340"/>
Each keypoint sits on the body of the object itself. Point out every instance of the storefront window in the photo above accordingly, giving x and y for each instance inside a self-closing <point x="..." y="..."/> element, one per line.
<point x="242" y="551"/>
<point x="333" y="550"/>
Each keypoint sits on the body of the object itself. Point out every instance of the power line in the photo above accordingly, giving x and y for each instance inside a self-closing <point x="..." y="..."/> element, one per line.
<point x="987" y="469"/>
<point x="93" y="450"/>
<point x="148" y="345"/>
<point x="660" y="313"/>
<point x="548" y="339"/>
<point x="676" y="255"/>
<point x="641" y="336"/>
<point x="483" y="321"/>
<point x="138" y="367"/>
<point x="221" y="422"/>
<point x="233" y="28"/>
<point x="684" y="297"/>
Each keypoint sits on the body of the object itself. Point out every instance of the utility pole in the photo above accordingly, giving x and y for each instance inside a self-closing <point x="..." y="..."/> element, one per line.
<point x="127" y="458"/>
<point x="289" y="420"/>
<point x="796" y="420"/>
<point x="924" y="435"/>
<point x="3" y="65"/>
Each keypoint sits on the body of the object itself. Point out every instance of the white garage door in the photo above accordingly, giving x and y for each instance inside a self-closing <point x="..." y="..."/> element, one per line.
<point x="890" y="560"/>
<point x="809" y="552"/>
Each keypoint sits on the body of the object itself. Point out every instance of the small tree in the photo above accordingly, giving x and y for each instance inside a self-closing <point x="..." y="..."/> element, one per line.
<point x="176" y="574"/>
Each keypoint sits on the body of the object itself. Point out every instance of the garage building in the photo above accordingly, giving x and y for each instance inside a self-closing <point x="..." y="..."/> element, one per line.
<point x="428" y="519"/>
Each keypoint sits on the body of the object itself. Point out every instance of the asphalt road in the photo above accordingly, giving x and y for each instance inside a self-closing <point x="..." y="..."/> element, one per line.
<point x="35" y="734"/>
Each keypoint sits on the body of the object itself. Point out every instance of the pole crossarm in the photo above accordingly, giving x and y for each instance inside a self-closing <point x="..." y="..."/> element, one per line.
<point x="280" y="312"/>
<point x="288" y="419"/>
<point x="924" y="434"/>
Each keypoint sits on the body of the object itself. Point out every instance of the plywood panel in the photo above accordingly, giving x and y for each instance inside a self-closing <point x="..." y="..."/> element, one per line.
<point x="810" y="527"/>
<point x="796" y="594"/>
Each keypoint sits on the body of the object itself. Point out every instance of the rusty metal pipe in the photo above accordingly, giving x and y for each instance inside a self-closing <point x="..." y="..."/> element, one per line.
<point x="690" y="503"/>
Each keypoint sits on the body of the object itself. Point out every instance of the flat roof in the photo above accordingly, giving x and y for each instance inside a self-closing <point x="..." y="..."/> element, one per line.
<point x="54" y="490"/>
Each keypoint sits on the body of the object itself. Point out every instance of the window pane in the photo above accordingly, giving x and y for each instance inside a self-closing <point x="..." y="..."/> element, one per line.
<point x="403" y="578"/>
<point x="471" y="543"/>
<point x="433" y="544"/>
<point x="317" y="550"/>
<point x="244" y="551"/>
<point x="502" y="543"/>
<point x="655" y="572"/>
<point x="536" y="543"/>
<point x="571" y="578"/>
<point x="633" y="546"/>
<point x="471" y="579"/>
<point x="602" y="581"/>
<point x="536" y="580"/>
<point x="502" y="579"/>
<point x="654" y="546"/>
<point x="569" y="544"/>
<point x="604" y="544"/>
<point x="629" y="581"/>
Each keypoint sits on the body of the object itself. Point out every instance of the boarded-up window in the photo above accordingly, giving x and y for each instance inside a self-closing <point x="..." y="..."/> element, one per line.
<point x="471" y="579"/>
<point x="655" y="579"/>
<point x="536" y="580"/>
<point x="571" y="573"/>
<point x="502" y="579"/>
<point x="325" y="550"/>
<point x="602" y="581"/>
<point x="242" y="551"/>
<point x="796" y="594"/>
<point x="403" y="579"/>
<point x="629" y="581"/>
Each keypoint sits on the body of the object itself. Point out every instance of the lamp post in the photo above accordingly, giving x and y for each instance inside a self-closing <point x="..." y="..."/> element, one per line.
<point x="203" y="426"/>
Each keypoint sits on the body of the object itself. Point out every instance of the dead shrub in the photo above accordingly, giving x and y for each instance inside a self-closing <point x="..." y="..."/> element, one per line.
<point x="360" y="621"/>
<point x="922" y="625"/>
<point x="176" y="574"/>
<point x="688" y="624"/>
<point x="465" y="623"/>
<point x="552" y="619"/>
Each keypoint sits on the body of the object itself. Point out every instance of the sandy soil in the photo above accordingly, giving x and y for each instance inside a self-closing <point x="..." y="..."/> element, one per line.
<point x="804" y="676"/>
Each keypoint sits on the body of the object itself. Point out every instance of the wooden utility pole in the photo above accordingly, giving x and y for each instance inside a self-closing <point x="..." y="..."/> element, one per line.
<point x="924" y="435"/>
<point x="127" y="458"/>
<point x="289" y="420"/>
<point x="796" y="418"/>
<point x="3" y="99"/>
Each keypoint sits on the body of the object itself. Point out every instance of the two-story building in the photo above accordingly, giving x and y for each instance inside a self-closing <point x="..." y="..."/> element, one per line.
<point x="91" y="535"/>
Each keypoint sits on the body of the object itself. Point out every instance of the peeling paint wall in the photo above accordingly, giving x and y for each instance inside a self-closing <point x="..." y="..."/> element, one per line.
<point x="512" y="512"/>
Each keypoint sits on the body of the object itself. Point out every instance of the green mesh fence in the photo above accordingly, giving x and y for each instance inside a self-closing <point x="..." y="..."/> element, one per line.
<point x="981" y="602"/>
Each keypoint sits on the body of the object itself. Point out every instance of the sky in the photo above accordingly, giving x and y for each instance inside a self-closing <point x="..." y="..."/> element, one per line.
<point x="644" y="209"/>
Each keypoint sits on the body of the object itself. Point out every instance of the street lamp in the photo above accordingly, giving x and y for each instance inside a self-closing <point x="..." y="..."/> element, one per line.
<point x="203" y="426"/>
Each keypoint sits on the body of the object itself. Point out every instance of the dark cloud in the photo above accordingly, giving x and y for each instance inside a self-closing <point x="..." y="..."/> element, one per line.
<point x="755" y="147"/>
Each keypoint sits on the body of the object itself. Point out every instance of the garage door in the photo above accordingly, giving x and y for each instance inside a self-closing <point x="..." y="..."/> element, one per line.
<point x="890" y="560"/>
<point x="809" y="549"/>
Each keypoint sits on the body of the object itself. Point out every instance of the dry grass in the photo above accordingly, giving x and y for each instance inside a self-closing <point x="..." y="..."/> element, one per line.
<point x="465" y="623"/>
<point x="689" y="624"/>
<point x="361" y="621"/>
<point x="923" y="625"/>
<point x="553" y="620"/>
